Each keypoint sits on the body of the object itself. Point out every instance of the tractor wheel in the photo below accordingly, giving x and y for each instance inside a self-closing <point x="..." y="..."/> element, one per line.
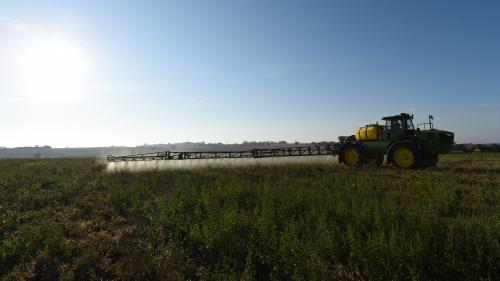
<point x="405" y="156"/>
<point x="377" y="159"/>
<point x="353" y="155"/>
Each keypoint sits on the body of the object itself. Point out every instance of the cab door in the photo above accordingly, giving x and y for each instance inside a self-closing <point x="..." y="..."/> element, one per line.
<point x="394" y="129"/>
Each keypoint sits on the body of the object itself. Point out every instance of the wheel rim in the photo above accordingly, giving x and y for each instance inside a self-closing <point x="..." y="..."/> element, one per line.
<point x="351" y="157"/>
<point x="404" y="157"/>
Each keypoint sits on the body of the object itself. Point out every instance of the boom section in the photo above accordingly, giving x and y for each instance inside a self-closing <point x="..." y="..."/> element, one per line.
<point x="310" y="150"/>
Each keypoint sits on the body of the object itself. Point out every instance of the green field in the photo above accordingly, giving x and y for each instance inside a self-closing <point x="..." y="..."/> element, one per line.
<point x="69" y="219"/>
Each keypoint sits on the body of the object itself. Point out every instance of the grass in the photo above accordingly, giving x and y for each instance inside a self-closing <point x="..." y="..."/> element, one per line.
<point x="68" y="219"/>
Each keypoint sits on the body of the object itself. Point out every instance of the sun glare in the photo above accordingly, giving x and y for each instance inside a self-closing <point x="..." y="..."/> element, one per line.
<point x="52" y="69"/>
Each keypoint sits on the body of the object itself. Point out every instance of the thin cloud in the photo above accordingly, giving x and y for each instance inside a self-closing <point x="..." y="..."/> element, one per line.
<point x="197" y="100"/>
<point x="142" y="88"/>
<point x="129" y="88"/>
<point x="18" y="24"/>
<point x="274" y="71"/>
<point x="489" y="104"/>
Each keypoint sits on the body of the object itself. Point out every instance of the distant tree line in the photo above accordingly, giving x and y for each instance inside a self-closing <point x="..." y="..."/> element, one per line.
<point x="469" y="147"/>
<point x="31" y="147"/>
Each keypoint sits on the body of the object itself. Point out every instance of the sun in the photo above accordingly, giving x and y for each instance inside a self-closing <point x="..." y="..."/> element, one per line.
<point x="52" y="69"/>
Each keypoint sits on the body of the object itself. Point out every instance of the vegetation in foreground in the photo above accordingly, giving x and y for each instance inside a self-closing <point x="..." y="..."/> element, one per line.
<point x="68" y="219"/>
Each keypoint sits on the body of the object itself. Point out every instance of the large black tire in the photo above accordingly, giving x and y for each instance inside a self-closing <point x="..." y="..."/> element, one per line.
<point x="405" y="156"/>
<point x="352" y="155"/>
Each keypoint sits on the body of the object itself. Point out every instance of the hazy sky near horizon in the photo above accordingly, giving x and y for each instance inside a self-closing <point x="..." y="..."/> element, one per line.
<point x="100" y="73"/>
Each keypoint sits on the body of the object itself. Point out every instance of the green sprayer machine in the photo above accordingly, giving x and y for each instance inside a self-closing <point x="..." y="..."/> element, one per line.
<point x="399" y="141"/>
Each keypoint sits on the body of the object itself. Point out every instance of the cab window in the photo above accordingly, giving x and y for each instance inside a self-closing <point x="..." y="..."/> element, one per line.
<point x="397" y="124"/>
<point x="388" y="124"/>
<point x="409" y="124"/>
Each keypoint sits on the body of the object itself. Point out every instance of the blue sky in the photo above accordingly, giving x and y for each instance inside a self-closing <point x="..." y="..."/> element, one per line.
<point x="137" y="72"/>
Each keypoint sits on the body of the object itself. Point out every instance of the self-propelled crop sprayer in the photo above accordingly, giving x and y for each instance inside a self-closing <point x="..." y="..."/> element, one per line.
<point x="404" y="145"/>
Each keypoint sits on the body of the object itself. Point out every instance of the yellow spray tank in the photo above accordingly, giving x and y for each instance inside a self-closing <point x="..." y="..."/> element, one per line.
<point x="369" y="132"/>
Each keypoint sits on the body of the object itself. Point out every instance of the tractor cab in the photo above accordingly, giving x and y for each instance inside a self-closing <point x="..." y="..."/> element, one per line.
<point x="398" y="126"/>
